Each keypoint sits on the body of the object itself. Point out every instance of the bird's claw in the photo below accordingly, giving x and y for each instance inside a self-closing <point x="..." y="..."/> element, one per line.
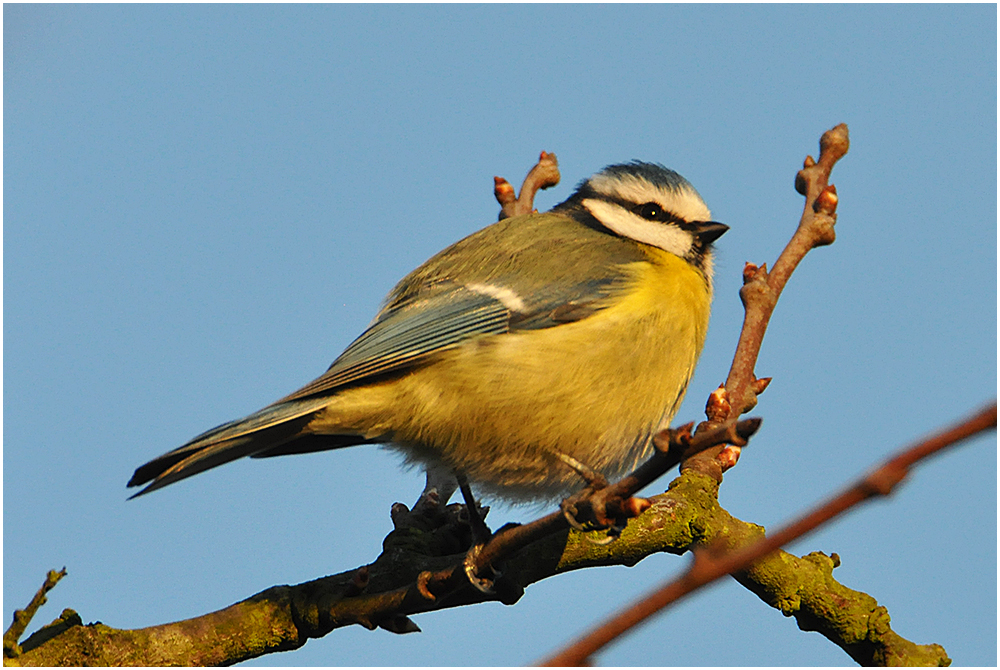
<point x="613" y="534"/>
<point x="482" y="584"/>
<point x="599" y="511"/>
<point x="570" y="513"/>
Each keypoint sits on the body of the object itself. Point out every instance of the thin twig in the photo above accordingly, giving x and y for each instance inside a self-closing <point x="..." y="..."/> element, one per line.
<point x="545" y="174"/>
<point x="23" y="617"/>
<point x="761" y="290"/>
<point x="707" y="567"/>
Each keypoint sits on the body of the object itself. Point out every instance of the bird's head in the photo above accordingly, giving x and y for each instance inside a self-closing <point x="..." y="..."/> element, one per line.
<point x="650" y="204"/>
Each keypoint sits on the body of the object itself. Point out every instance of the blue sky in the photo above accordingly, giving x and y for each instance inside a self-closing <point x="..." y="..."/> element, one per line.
<point x="205" y="204"/>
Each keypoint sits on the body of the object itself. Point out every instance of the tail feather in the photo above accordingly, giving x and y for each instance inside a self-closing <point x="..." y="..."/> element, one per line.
<point x="261" y="432"/>
<point x="307" y="444"/>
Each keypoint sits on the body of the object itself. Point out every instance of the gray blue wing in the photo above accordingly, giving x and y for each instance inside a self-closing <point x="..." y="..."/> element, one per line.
<point x="409" y="332"/>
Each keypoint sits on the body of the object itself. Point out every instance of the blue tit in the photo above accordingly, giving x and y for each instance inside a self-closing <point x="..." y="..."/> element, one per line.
<point x="540" y="345"/>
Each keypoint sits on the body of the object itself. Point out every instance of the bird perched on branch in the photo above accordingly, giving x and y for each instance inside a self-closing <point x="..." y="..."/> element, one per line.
<point x="542" y="350"/>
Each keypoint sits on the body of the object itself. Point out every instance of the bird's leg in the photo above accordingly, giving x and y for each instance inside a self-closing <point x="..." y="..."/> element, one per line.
<point x="595" y="480"/>
<point x="480" y="531"/>
<point x="480" y="536"/>
<point x="437" y="491"/>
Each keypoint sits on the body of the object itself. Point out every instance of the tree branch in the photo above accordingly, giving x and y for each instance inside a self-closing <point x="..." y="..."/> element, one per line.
<point x="388" y="591"/>
<point x="849" y="619"/>
<point x="23" y="617"/>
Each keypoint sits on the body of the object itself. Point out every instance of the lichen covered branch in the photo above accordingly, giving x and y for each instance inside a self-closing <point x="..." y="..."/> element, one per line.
<point x="23" y="617"/>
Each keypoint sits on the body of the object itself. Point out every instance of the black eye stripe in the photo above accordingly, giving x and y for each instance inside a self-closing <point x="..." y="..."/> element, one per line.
<point x="661" y="215"/>
<point x="652" y="211"/>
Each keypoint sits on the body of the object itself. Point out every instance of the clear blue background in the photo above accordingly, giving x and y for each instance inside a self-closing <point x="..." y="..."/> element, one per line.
<point x="205" y="204"/>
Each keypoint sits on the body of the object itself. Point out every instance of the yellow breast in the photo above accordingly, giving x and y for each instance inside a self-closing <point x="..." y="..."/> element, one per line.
<point x="499" y="407"/>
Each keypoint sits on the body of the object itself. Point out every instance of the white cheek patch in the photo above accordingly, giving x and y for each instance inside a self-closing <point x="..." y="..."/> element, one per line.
<point x="654" y="233"/>
<point x="684" y="203"/>
<point x="507" y="297"/>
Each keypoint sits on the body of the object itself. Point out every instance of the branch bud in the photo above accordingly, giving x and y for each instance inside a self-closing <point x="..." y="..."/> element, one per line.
<point x="759" y="385"/>
<point x="718" y="407"/>
<point x="826" y="201"/>
<point x="633" y="507"/>
<point x="728" y="457"/>
<point x="752" y="272"/>
<point x="801" y="186"/>
<point x="834" y="144"/>
<point x="505" y="195"/>
<point x="359" y="582"/>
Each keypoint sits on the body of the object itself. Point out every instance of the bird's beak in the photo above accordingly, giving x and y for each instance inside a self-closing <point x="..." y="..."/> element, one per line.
<point x="709" y="231"/>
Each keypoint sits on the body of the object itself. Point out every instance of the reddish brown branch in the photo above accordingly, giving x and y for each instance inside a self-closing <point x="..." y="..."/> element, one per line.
<point x="709" y="564"/>
<point x="545" y="174"/>
<point x="761" y="290"/>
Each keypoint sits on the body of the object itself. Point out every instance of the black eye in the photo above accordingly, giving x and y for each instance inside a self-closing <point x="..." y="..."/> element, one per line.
<point x="650" y="211"/>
